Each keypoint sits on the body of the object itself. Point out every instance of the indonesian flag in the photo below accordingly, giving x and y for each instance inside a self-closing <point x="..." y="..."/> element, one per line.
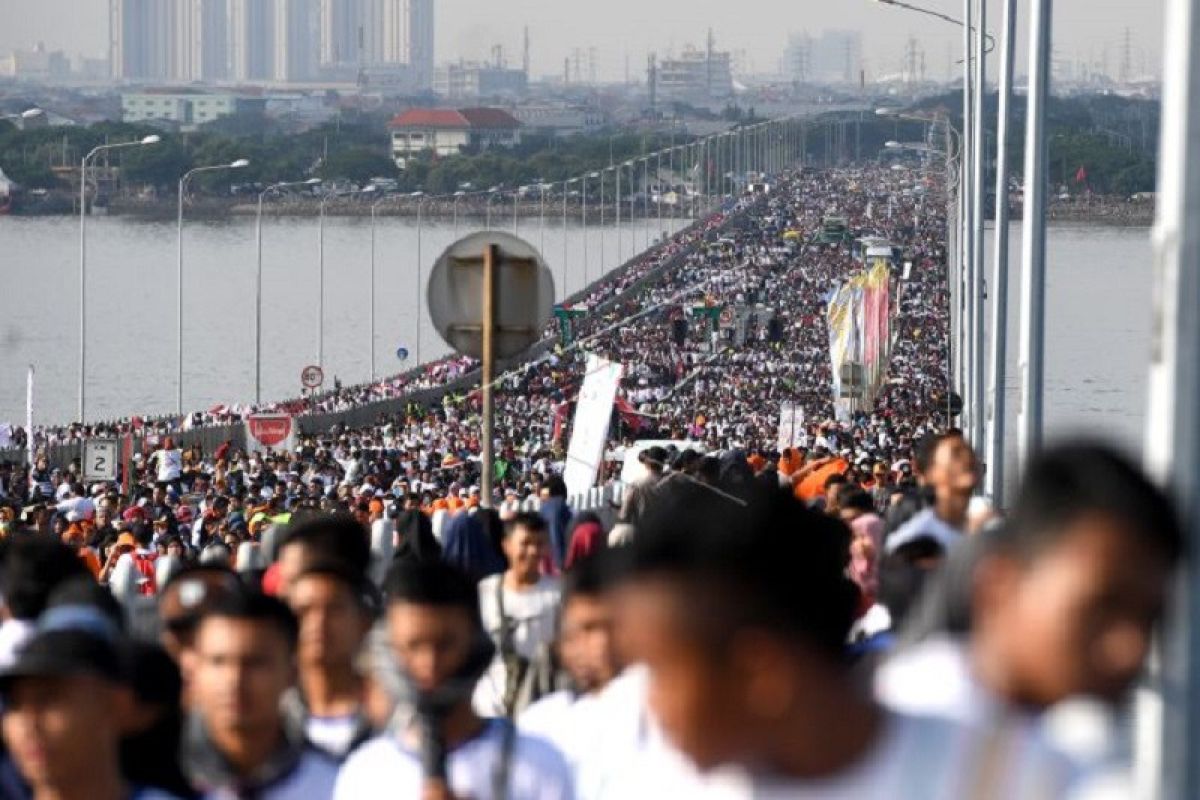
<point x="560" y="419"/>
<point x="630" y="416"/>
<point x="1081" y="175"/>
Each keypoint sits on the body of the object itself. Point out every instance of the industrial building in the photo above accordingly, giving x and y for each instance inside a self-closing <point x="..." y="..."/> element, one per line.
<point x="467" y="81"/>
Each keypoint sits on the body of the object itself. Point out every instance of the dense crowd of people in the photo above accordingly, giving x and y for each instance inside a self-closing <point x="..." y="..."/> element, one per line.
<point x="837" y="615"/>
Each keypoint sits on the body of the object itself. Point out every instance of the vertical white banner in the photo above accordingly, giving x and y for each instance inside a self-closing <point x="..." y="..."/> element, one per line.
<point x="593" y="410"/>
<point x="791" y="425"/>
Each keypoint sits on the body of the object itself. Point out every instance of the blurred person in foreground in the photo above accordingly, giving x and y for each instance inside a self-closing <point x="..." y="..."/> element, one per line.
<point x="238" y="742"/>
<point x="444" y="750"/>
<point x="1059" y="603"/>
<point x="67" y="702"/>
<point x="740" y="609"/>
<point x="335" y="609"/>
<point x="574" y="720"/>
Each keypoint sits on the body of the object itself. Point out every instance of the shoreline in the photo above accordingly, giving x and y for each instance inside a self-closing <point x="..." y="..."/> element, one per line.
<point x="1056" y="217"/>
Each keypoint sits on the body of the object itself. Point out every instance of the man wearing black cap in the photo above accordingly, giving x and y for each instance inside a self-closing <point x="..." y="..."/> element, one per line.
<point x="66" y="706"/>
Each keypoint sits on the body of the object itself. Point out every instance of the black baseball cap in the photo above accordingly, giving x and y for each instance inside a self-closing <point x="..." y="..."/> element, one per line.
<point x="64" y="653"/>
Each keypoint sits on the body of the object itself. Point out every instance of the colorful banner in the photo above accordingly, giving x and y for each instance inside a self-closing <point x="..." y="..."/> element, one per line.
<point x="858" y="315"/>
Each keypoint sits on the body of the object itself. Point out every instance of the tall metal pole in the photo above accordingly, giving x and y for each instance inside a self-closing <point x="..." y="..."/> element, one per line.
<point x="1168" y="726"/>
<point x="603" y="263"/>
<point x="646" y="200"/>
<point x="321" y="282"/>
<point x="82" y="288"/>
<point x="977" y="289"/>
<point x="487" y="466"/>
<point x="179" y="301"/>
<point x="179" y="273"/>
<point x="658" y="183"/>
<point x="258" y="290"/>
<point x="566" y="183"/>
<point x="153" y="139"/>
<point x="420" y="283"/>
<point x="999" y="288"/>
<point x="542" y="218"/>
<point x="617" y="211"/>
<point x="583" y="220"/>
<point x="968" y="295"/>
<point x="371" y="315"/>
<point x="516" y="209"/>
<point x="1031" y="364"/>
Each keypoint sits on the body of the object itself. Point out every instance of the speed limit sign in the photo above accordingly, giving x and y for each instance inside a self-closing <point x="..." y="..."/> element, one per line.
<point x="100" y="460"/>
<point x="312" y="376"/>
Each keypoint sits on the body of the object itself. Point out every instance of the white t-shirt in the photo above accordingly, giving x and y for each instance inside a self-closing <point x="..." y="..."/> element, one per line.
<point x="935" y="759"/>
<point x="331" y="734"/>
<point x="533" y="613"/>
<point x="933" y="678"/>
<point x="83" y="506"/>
<point x="385" y="768"/>
<point x="170" y="464"/>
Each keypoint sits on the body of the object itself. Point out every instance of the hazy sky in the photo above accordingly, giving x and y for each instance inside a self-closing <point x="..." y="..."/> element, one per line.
<point x="1087" y="30"/>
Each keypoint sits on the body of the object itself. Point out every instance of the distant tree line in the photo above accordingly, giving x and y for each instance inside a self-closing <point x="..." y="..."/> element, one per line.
<point x="1113" y="139"/>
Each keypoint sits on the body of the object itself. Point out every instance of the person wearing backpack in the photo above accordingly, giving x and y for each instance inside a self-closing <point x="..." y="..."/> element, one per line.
<point x="520" y="612"/>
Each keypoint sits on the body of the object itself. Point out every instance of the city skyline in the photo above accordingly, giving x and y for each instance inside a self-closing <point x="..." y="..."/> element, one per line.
<point x="622" y="32"/>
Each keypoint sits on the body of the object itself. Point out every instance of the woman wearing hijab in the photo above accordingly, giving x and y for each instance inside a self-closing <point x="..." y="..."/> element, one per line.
<point x="586" y="536"/>
<point x="414" y="531"/>
<point x="466" y="545"/>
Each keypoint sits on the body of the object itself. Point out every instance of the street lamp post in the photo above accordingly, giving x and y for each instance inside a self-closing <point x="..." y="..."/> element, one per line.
<point x="603" y="233"/>
<point x="583" y="217"/>
<point x="1031" y="358"/>
<point x="617" y="211"/>
<point x="542" y="187"/>
<point x="258" y="292"/>
<point x="658" y="189"/>
<point x="997" y="368"/>
<point x="420" y="283"/>
<point x="83" y="164"/>
<point x="321" y="279"/>
<point x="977" y="289"/>
<point x="566" y="191"/>
<point x="374" y="205"/>
<point x="646" y="200"/>
<point x="238" y="164"/>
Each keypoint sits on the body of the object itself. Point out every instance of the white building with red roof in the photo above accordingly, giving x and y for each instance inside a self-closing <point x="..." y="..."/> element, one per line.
<point x="450" y="131"/>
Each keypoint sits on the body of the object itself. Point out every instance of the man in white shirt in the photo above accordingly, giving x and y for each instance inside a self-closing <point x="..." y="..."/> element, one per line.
<point x="739" y="607"/>
<point x="519" y="609"/>
<point x="440" y="649"/>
